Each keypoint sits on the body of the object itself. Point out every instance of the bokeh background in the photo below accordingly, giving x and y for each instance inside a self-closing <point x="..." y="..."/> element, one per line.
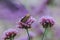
<point x="13" y="10"/>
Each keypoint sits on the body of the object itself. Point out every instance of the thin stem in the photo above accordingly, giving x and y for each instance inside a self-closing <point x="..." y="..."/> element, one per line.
<point x="11" y="38"/>
<point x="28" y="34"/>
<point x="44" y="34"/>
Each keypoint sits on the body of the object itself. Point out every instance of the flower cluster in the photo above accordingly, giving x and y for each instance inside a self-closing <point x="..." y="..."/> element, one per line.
<point x="47" y="21"/>
<point x="10" y="33"/>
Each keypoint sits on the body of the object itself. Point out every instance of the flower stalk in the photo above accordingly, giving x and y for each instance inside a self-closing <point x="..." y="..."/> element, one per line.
<point x="28" y="34"/>
<point x="11" y="38"/>
<point x="44" y="34"/>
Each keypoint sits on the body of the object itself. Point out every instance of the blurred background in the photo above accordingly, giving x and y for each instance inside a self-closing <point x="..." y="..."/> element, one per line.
<point x="13" y="10"/>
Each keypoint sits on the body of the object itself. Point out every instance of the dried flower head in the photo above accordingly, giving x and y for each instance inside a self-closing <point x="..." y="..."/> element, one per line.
<point x="47" y="21"/>
<point x="10" y="33"/>
<point x="26" y="22"/>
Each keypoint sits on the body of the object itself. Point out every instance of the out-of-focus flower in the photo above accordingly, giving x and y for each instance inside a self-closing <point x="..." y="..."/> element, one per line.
<point x="47" y="21"/>
<point x="10" y="33"/>
<point x="26" y="22"/>
<point x="37" y="7"/>
<point x="9" y="12"/>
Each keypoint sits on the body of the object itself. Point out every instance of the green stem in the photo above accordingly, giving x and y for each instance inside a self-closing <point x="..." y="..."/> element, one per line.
<point x="28" y="34"/>
<point x="11" y="38"/>
<point x="44" y="34"/>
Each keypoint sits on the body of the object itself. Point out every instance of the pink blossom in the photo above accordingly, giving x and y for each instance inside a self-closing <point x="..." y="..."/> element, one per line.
<point x="9" y="33"/>
<point x="26" y="24"/>
<point x="46" y="20"/>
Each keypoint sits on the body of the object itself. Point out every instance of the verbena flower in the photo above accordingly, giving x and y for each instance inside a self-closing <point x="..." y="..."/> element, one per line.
<point x="10" y="33"/>
<point x="47" y="21"/>
<point x="26" y="22"/>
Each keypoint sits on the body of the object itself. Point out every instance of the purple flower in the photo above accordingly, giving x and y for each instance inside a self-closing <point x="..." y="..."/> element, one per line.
<point x="10" y="15"/>
<point x="27" y="22"/>
<point x="46" y="21"/>
<point x="9" y="33"/>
